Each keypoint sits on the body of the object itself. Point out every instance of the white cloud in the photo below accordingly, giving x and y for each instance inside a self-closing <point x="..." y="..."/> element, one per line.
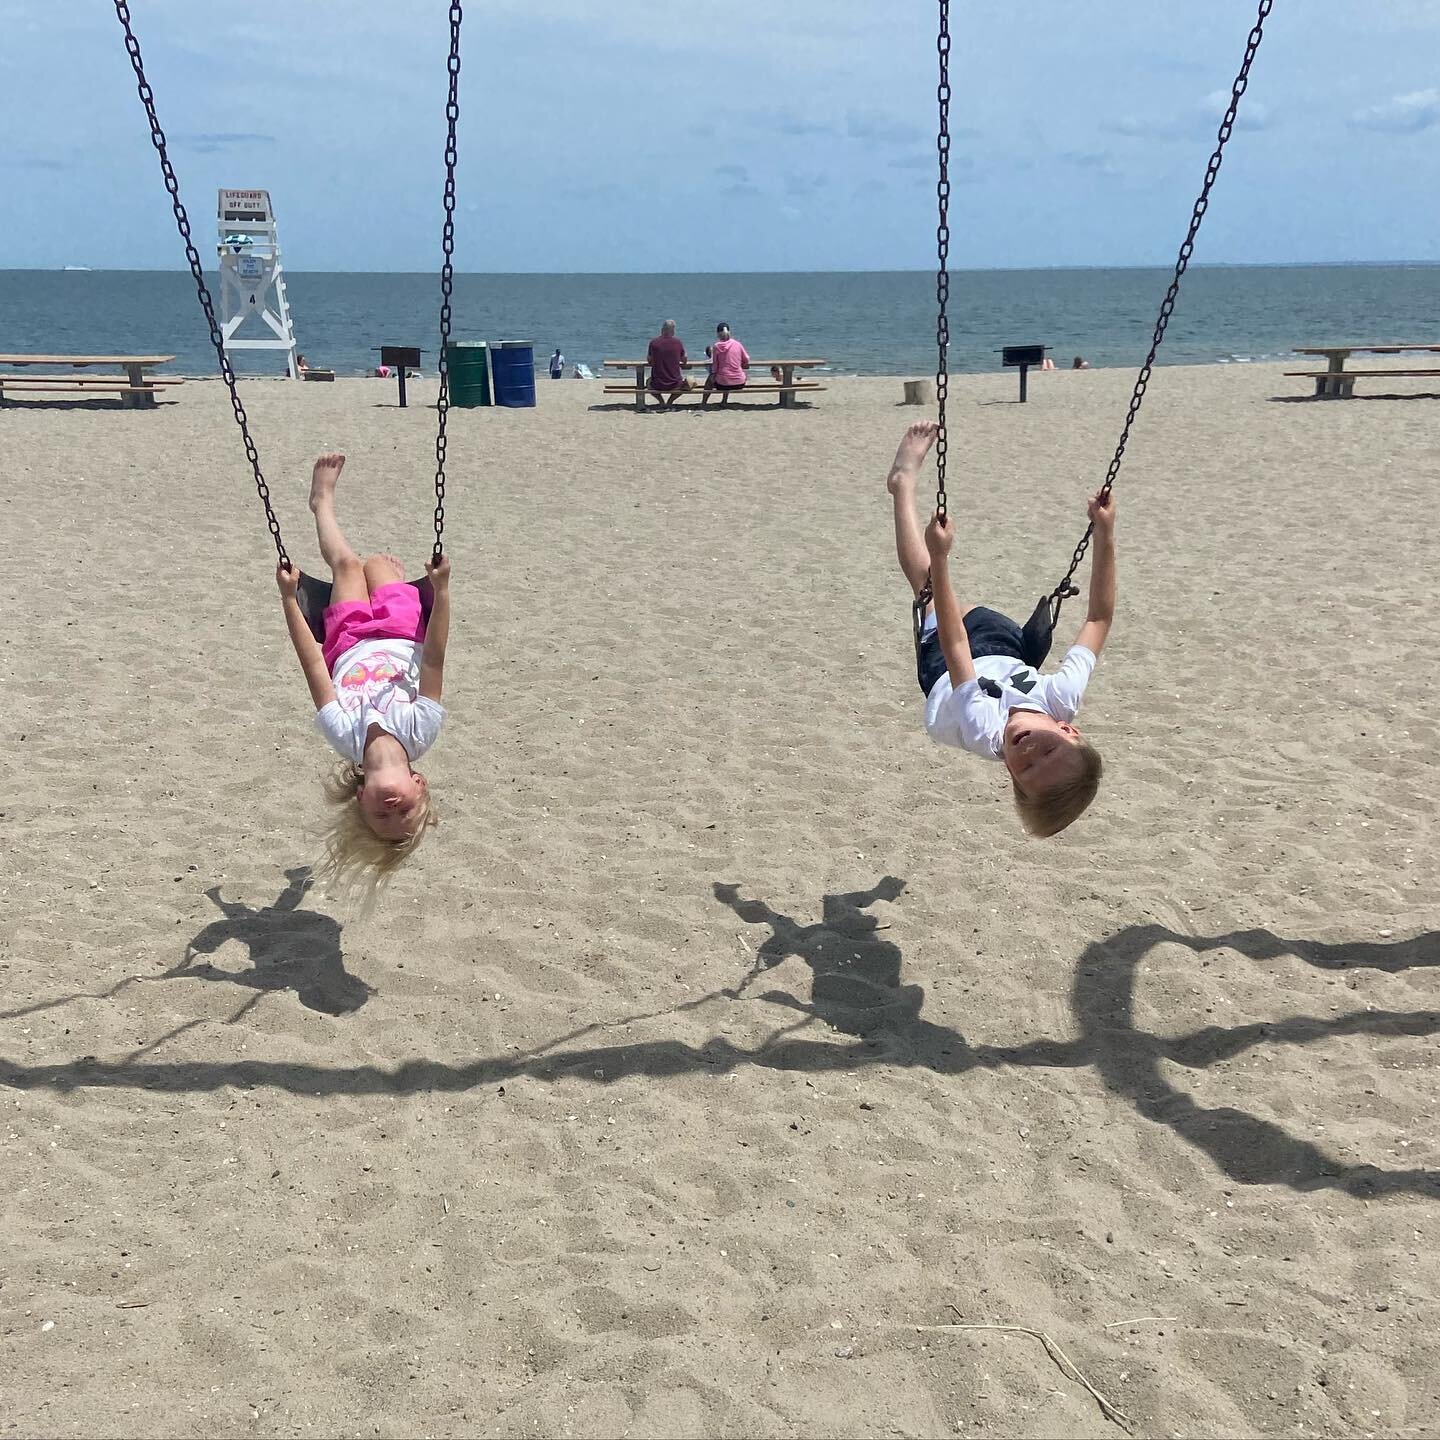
<point x="1195" y="121"/>
<point x="1404" y="115"/>
<point x="1252" y="114"/>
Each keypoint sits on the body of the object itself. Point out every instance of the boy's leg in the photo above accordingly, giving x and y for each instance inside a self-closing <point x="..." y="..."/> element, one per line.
<point x="345" y="568"/>
<point x="901" y="483"/>
<point x="383" y="570"/>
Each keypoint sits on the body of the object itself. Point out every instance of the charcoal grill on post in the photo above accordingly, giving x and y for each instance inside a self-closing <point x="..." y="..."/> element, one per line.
<point x="1024" y="356"/>
<point x="400" y="356"/>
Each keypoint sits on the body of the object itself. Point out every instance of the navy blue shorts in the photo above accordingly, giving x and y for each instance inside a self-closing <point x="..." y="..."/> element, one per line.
<point x="990" y="633"/>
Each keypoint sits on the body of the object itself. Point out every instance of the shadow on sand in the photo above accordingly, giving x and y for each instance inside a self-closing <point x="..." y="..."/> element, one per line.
<point x="856" y="988"/>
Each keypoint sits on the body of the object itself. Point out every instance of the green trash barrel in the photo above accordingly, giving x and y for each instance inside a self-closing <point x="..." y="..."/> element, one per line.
<point x="468" y="362"/>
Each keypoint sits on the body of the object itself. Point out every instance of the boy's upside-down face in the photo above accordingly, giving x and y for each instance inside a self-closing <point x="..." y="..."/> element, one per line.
<point x="1040" y="752"/>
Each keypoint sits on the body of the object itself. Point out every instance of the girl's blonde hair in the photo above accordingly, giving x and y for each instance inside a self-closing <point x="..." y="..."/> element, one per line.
<point x="356" y="858"/>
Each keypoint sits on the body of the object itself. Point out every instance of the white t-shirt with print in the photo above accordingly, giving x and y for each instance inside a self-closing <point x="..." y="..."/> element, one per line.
<point x="377" y="682"/>
<point x="973" y="717"/>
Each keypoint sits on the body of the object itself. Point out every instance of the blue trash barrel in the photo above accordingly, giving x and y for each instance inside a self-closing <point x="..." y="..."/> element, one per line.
<point x="512" y="372"/>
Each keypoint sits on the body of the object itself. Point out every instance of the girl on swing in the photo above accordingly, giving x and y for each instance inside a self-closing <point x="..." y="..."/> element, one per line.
<point x="376" y="685"/>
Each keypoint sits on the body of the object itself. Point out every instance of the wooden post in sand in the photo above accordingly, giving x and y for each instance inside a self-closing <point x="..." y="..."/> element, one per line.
<point x="919" y="392"/>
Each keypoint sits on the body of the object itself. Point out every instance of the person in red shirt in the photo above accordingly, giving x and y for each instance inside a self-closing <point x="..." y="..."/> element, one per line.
<point x="667" y="367"/>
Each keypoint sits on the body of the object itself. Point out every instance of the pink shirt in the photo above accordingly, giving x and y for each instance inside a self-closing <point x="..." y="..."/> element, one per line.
<point x="728" y="362"/>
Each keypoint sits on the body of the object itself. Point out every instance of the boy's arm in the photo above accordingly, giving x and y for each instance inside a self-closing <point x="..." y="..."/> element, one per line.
<point x="949" y="619"/>
<point x="437" y="632"/>
<point x="312" y="661"/>
<point x="1101" y="612"/>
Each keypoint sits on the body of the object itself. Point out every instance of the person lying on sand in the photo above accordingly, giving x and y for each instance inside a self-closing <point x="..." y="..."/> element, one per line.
<point x="982" y="693"/>
<point x="376" y="690"/>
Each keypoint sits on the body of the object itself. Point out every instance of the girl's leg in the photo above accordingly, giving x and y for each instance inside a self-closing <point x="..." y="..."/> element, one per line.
<point x="383" y="570"/>
<point x="347" y="572"/>
<point x="904" y="474"/>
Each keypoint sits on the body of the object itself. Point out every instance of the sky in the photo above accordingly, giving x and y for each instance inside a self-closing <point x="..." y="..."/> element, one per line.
<point x="607" y="135"/>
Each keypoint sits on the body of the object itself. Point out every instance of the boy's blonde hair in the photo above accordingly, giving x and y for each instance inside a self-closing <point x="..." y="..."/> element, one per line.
<point x="355" y="856"/>
<point x="1050" y="813"/>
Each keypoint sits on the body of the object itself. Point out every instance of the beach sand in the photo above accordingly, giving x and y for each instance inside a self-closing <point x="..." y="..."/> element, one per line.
<point x="729" y="1040"/>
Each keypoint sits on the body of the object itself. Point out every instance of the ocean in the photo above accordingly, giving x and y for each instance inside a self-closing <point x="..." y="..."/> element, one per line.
<point x="867" y="323"/>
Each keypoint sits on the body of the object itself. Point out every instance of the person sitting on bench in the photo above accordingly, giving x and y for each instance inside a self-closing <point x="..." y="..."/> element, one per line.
<point x="667" y="362"/>
<point x="729" y="364"/>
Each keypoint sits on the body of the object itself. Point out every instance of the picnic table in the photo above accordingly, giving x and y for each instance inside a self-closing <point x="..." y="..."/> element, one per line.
<point x="786" y="387"/>
<point x="136" y="391"/>
<point x="1335" y="382"/>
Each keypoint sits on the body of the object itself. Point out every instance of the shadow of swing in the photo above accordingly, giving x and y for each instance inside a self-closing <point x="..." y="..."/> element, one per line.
<point x="1247" y="1148"/>
<point x="856" y="990"/>
<point x="289" y="949"/>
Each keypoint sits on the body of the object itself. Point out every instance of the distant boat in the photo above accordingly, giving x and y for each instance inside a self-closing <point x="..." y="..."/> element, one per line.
<point x="77" y="267"/>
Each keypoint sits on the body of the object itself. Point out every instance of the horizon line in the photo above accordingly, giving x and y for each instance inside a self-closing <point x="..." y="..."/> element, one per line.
<point x="903" y="270"/>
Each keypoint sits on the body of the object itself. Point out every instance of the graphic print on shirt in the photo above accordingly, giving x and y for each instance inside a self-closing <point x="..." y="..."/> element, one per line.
<point x="377" y="680"/>
<point x="1022" y="680"/>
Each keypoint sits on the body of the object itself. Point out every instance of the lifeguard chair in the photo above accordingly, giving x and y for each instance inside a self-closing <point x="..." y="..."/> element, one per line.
<point x="252" y="279"/>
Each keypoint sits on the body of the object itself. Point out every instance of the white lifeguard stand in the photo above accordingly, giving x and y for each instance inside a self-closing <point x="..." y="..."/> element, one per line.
<point x="252" y="279"/>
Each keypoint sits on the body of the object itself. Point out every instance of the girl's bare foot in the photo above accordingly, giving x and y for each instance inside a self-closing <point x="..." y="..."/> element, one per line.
<point x="914" y="447"/>
<point x="323" y="477"/>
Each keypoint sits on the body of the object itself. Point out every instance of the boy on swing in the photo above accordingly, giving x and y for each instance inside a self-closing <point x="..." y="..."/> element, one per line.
<point x="983" y="690"/>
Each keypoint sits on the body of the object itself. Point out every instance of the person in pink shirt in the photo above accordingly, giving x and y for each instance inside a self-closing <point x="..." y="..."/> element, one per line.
<point x="729" y="363"/>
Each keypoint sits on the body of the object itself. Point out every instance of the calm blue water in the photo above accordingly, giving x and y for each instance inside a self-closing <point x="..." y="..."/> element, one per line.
<point x="868" y="323"/>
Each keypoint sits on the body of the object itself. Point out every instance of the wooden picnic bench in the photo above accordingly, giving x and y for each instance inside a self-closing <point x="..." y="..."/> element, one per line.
<point x="1335" y="382"/>
<point x="136" y="391"/>
<point x="787" y="387"/>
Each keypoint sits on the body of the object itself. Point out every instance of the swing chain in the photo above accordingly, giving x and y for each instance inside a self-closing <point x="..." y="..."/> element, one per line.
<point x="942" y="269"/>
<point x="447" y="273"/>
<point x="197" y="271"/>
<point x="1066" y="588"/>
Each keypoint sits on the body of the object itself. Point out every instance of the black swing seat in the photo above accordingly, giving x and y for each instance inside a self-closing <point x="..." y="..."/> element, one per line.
<point x="1035" y="635"/>
<point x="313" y="596"/>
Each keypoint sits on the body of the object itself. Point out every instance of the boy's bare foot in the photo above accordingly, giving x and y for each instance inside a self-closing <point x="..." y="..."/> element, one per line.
<point x="914" y="447"/>
<point x="323" y="477"/>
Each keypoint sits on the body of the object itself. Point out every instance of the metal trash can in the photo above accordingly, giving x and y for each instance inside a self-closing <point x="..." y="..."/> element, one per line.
<point x="468" y="363"/>
<point x="513" y="363"/>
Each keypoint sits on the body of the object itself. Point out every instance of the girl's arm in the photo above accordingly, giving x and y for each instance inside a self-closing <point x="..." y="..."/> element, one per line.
<point x="949" y="618"/>
<point x="437" y="631"/>
<point x="312" y="661"/>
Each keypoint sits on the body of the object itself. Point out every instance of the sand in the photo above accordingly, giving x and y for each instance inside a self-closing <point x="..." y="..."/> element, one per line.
<point x="729" y="1036"/>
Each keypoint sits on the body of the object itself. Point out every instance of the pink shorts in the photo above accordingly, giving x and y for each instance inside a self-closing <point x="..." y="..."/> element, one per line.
<point x="391" y="613"/>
